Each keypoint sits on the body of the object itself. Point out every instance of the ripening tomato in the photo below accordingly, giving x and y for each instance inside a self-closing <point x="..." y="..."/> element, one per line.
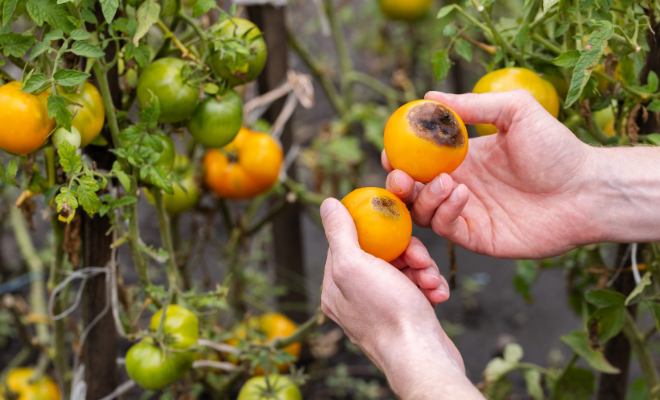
<point x="217" y="120"/>
<point x="506" y="79"/>
<point x="62" y="135"/>
<point x="152" y="368"/>
<point x="425" y="138"/>
<point x="181" y="324"/>
<point x="166" y="158"/>
<point x="382" y="220"/>
<point x="408" y="10"/>
<point x="24" y="122"/>
<point x="256" y="169"/>
<point x="88" y="111"/>
<point x="184" y="197"/>
<point x="244" y="68"/>
<point x="178" y="96"/>
<point x="281" y="388"/>
<point x="605" y="120"/>
<point x="43" y="389"/>
<point x="272" y="325"/>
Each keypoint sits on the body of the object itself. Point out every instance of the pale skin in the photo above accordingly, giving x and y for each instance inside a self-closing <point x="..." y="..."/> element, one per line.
<point x="531" y="191"/>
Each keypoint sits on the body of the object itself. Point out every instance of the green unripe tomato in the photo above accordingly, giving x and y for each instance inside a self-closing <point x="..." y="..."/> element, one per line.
<point x="242" y="69"/>
<point x="169" y="152"/>
<point x="281" y="389"/>
<point x="180" y="201"/>
<point x="180" y="324"/>
<point x="178" y="97"/>
<point x="62" y="135"/>
<point x="152" y="369"/>
<point x="216" y="121"/>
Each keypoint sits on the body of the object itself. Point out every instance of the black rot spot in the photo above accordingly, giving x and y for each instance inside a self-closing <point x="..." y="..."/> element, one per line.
<point x="385" y="206"/>
<point x="435" y="123"/>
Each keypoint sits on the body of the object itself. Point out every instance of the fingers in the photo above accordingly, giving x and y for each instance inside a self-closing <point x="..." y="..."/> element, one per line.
<point x="417" y="265"/>
<point x="403" y="186"/>
<point x="447" y="221"/>
<point x="339" y="227"/>
<point x="430" y="197"/>
<point x="386" y="162"/>
<point x="498" y="109"/>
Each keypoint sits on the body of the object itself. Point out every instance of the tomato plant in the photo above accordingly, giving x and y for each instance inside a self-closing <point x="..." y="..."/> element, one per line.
<point x="217" y="120"/>
<point x="153" y="368"/>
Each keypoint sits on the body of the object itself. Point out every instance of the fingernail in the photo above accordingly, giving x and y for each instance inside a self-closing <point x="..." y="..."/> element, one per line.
<point x="395" y="182"/>
<point x="434" y="273"/>
<point x="455" y="195"/>
<point x="328" y="206"/>
<point x="437" y="187"/>
<point x="422" y="251"/>
<point x="443" y="288"/>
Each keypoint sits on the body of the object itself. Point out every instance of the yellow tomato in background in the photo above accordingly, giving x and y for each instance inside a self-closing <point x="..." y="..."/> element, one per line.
<point x="405" y="10"/>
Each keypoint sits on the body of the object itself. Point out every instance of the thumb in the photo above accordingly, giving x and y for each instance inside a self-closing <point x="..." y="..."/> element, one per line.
<point x="498" y="109"/>
<point x="339" y="227"/>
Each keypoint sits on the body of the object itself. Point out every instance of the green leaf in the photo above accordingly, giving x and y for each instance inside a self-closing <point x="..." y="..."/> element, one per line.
<point x="69" y="77"/>
<point x="142" y="53"/>
<point x="39" y="48"/>
<point x="522" y="38"/>
<point x="605" y="298"/>
<point x="87" y="194"/>
<point x="8" y="174"/>
<point x="655" y="311"/>
<point x="56" y="34"/>
<point x="34" y="83"/>
<point x="547" y="4"/>
<point x="49" y="11"/>
<point x="602" y="31"/>
<point x="147" y="15"/>
<point x="89" y="16"/>
<point x="513" y="352"/>
<point x="80" y="34"/>
<point x="57" y="109"/>
<point x="449" y="30"/>
<point x="652" y="82"/>
<point x="66" y="196"/>
<point x="441" y="65"/>
<point x="562" y="30"/>
<point x="15" y="44"/>
<point x="609" y="320"/>
<point x="654" y="106"/>
<point x="626" y="69"/>
<point x="498" y="368"/>
<point x="567" y="59"/>
<point x="605" y="5"/>
<point x="109" y="8"/>
<point x="444" y="11"/>
<point x="578" y="341"/>
<point x="636" y="294"/>
<point x="121" y="175"/>
<point x="464" y="49"/>
<point x="159" y="178"/>
<point x="533" y="382"/>
<point x="86" y="50"/>
<point x="575" y="384"/>
<point x="70" y="161"/>
<point x="8" y="8"/>
<point x="202" y="7"/>
<point x="654" y="138"/>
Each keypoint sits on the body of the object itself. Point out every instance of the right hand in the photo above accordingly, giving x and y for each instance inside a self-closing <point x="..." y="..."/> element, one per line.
<point x="528" y="184"/>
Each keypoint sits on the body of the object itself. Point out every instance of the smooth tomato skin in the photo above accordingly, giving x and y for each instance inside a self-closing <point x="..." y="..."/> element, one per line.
<point x="24" y="122"/>
<point x="424" y="156"/>
<point x="178" y="98"/>
<point x="43" y="389"/>
<point x="408" y="10"/>
<point x="272" y="325"/>
<point x="383" y="232"/>
<point x="179" y="201"/>
<point x="90" y="117"/>
<point x="283" y="389"/>
<point x="180" y="324"/>
<point x="506" y="79"/>
<point x="605" y="120"/>
<point x="146" y="365"/>
<point x="560" y="85"/>
<point x="62" y="135"/>
<point x="166" y="158"/>
<point x="257" y="169"/>
<point x="216" y="121"/>
<point x="255" y="61"/>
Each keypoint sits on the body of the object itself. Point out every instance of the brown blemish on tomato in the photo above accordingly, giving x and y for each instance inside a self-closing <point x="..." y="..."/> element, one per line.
<point x="385" y="206"/>
<point x="435" y="123"/>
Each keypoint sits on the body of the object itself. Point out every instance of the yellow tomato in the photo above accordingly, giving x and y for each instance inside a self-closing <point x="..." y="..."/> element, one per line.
<point x="43" y="389"/>
<point x="405" y="10"/>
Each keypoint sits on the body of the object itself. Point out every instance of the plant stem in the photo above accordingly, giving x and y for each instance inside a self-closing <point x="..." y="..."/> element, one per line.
<point x="235" y="296"/>
<point x="273" y="211"/>
<point x="392" y="95"/>
<point x="636" y="339"/>
<point x="564" y="370"/>
<point x="496" y="34"/>
<point x="302" y="332"/>
<point x="166" y="238"/>
<point x="342" y="50"/>
<point x="170" y="35"/>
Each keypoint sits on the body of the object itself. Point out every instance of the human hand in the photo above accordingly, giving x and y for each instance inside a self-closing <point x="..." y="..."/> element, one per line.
<point x="528" y="184"/>
<point x="386" y="309"/>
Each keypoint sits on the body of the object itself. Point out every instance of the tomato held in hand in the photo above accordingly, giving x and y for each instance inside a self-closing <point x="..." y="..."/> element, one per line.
<point x="88" y="111"/>
<point x="180" y="324"/>
<point x="24" y="122"/>
<point x="408" y="10"/>
<point x="177" y="95"/>
<point x="244" y="68"/>
<point x="217" y="120"/>
<point x="271" y="325"/>
<point x="425" y="138"/>
<point x="256" y="169"/>
<point x="153" y="369"/>
<point x="281" y="388"/>
<point x="383" y="222"/>
<point x="506" y="79"/>
<point x="18" y="381"/>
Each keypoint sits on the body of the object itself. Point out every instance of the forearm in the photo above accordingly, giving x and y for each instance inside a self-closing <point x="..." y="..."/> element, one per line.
<point x="421" y="368"/>
<point x="627" y="193"/>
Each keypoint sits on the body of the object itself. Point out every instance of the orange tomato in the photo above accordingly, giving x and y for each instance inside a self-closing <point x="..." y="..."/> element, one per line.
<point x="382" y="220"/>
<point x="271" y="325"/>
<point x="425" y="138"/>
<point x="256" y="169"/>
<point x="43" y="389"/>
<point x="506" y="79"/>
<point x="24" y="122"/>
